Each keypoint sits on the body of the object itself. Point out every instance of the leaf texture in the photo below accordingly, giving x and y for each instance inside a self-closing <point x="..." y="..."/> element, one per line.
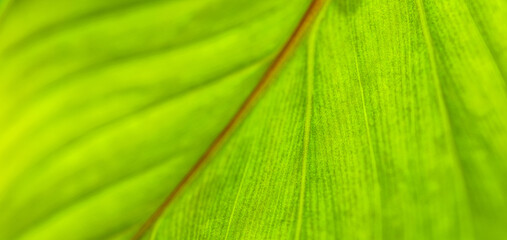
<point x="387" y="121"/>
<point x="107" y="104"/>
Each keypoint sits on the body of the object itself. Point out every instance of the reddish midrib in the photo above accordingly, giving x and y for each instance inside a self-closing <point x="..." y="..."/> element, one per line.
<point x="243" y="111"/>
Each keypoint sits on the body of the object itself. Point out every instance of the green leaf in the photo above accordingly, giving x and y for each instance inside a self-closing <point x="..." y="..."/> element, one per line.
<point x="357" y="120"/>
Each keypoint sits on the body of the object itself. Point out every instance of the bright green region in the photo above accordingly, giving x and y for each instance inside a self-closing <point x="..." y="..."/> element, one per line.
<point x="390" y="122"/>
<point x="106" y="105"/>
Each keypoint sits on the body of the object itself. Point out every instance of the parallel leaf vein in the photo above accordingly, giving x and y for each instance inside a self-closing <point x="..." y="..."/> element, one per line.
<point x="310" y="75"/>
<point x="451" y="142"/>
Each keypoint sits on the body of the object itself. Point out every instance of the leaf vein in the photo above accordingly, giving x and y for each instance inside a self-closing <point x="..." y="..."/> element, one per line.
<point x="310" y="74"/>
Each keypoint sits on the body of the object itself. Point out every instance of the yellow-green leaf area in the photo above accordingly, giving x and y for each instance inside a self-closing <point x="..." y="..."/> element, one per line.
<point x="267" y="119"/>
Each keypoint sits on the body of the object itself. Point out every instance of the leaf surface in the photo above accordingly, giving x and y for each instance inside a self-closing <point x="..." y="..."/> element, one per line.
<point x="387" y="121"/>
<point x="107" y="104"/>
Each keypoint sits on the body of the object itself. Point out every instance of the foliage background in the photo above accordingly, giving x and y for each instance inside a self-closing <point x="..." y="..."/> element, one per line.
<point x="387" y="121"/>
